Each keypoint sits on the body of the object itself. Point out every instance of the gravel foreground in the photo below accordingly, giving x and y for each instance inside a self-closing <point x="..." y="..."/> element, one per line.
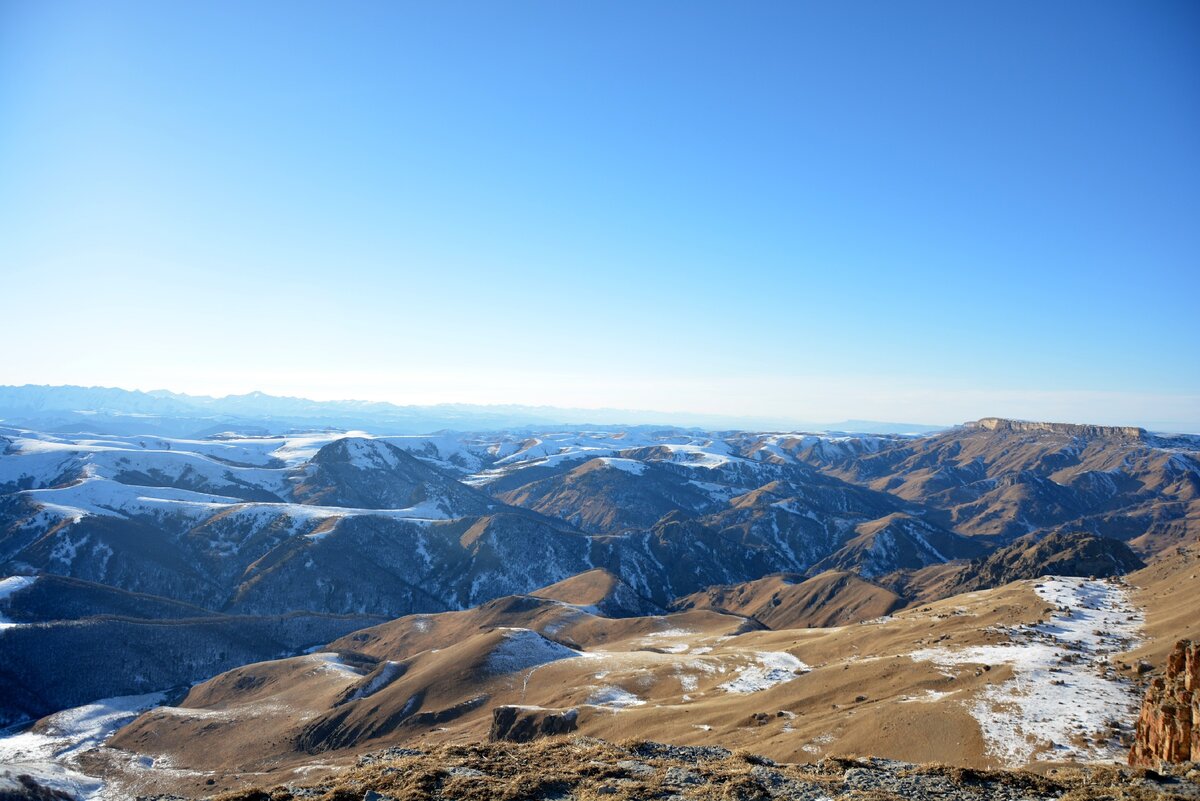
<point x="582" y="769"/>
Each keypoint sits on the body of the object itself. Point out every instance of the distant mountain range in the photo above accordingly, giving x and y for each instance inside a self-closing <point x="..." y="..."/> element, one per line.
<point x="230" y="534"/>
<point x="106" y="410"/>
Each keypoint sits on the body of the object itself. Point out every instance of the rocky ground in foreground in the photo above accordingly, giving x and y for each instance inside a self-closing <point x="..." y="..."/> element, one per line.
<point x="585" y="769"/>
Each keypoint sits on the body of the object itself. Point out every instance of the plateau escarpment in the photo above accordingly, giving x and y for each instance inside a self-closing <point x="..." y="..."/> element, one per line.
<point x="1070" y="429"/>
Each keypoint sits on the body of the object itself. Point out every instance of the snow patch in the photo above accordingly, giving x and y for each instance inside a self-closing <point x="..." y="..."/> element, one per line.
<point x="7" y="587"/>
<point x="13" y="583"/>
<point x="524" y="648"/>
<point x="368" y="454"/>
<point x="627" y="465"/>
<point x="613" y="697"/>
<point x="772" y="668"/>
<point x="928" y="697"/>
<point x="332" y="663"/>
<point x="387" y="674"/>
<point x="51" y="755"/>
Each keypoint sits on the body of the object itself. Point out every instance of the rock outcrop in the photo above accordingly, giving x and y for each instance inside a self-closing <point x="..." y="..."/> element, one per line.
<point x="1168" y="729"/>
<point x="520" y="724"/>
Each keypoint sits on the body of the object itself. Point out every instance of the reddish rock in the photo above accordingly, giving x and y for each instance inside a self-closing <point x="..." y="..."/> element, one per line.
<point x="1168" y="728"/>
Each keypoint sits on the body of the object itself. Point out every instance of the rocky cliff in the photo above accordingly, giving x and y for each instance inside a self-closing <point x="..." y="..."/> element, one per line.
<point x="1168" y="729"/>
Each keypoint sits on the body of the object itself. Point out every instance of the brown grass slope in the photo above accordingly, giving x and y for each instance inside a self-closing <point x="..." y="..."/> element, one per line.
<point x="1169" y="591"/>
<point x="601" y="589"/>
<point x="832" y="598"/>
<point x="433" y="679"/>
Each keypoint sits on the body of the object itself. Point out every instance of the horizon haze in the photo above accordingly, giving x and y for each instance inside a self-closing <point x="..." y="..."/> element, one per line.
<point x="34" y="405"/>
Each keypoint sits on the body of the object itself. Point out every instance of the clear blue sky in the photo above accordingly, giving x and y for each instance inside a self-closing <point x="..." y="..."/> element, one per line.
<point x="893" y="210"/>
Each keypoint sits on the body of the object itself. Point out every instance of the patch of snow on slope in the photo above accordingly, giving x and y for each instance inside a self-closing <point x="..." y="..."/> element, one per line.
<point x="330" y="662"/>
<point x="425" y="512"/>
<point x="368" y="454"/>
<point x="653" y="639"/>
<point x="448" y="451"/>
<point x="675" y="632"/>
<point x="49" y="756"/>
<point x="14" y="583"/>
<point x="772" y="668"/>
<point x="100" y="496"/>
<point x="7" y="587"/>
<point x="1061" y="689"/>
<point x="525" y="648"/>
<point x="550" y="450"/>
<point x="718" y="493"/>
<point x="387" y="674"/>
<point x="614" y="697"/>
<point x="628" y="465"/>
<point x="707" y="456"/>
<point x="295" y="450"/>
<point x="103" y="497"/>
<point x="37" y="464"/>
<point x="554" y="449"/>
<point x="928" y="697"/>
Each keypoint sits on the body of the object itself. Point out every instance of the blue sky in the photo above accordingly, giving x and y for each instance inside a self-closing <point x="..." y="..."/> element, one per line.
<point x="919" y="211"/>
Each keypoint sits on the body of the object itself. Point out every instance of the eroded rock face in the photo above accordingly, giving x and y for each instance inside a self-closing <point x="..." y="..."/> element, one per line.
<point x="520" y="724"/>
<point x="1168" y="729"/>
